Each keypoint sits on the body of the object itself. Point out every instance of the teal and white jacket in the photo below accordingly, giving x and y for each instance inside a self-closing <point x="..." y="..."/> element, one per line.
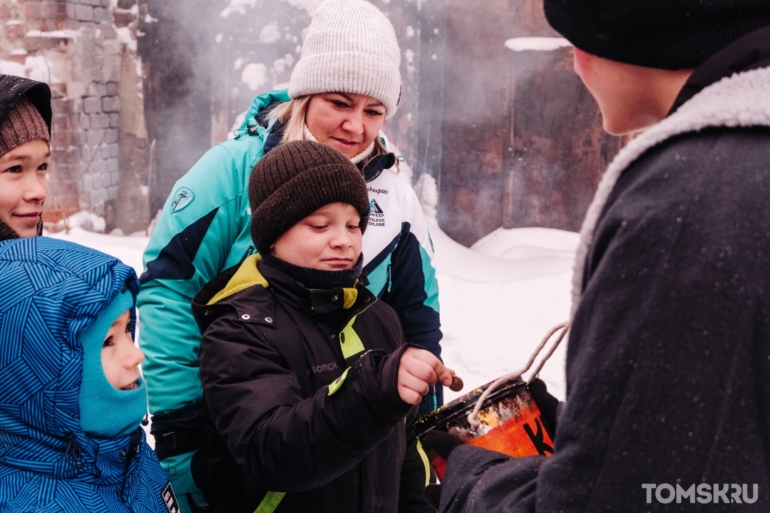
<point x="204" y="229"/>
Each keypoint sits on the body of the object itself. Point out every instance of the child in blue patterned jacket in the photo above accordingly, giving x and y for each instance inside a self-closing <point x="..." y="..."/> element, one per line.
<point x="72" y="393"/>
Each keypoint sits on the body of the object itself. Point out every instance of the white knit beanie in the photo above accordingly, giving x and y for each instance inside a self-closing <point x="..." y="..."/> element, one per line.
<point x="350" y="47"/>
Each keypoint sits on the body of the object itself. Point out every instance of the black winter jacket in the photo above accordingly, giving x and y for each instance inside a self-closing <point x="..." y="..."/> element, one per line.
<point x="288" y="412"/>
<point x="668" y="363"/>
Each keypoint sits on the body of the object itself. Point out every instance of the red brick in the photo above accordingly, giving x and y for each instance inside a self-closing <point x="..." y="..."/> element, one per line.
<point x="20" y="58"/>
<point x="34" y="25"/>
<point x="45" y="10"/>
<point x="63" y="107"/>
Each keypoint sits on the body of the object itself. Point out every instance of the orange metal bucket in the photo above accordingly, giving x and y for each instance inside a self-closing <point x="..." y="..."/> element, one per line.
<point x="511" y="423"/>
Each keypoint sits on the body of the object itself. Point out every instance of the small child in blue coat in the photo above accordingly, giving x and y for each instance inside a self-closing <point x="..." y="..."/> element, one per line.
<point x="71" y="393"/>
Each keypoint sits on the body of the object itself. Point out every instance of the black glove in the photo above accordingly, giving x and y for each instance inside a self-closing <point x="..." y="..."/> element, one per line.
<point x="440" y="442"/>
<point x="547" y="404"/>
<point x="433" y="495"/>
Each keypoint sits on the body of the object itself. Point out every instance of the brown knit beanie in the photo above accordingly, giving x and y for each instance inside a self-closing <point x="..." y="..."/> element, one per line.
<point x="22" y="124"/>
<point x="294" y="180"/>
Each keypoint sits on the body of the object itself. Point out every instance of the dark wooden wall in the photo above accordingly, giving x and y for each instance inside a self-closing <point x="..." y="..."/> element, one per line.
<point x="176" y="51"/>
<point x="522" y="140"/>
<point x="470" y="178"/>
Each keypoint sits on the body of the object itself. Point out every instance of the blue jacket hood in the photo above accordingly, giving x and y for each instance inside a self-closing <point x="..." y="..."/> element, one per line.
<point x="50" y="290"/>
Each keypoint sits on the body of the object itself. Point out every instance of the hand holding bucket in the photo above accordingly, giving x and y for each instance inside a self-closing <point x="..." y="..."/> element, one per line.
<point x="501" y="416"/>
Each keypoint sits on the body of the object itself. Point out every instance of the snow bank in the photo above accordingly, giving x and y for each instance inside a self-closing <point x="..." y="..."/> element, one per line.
<point x="128" y="249"/>
<point x="87" y="221"/>
<point x="12" y="68"/>
<point x="500" y="298"/>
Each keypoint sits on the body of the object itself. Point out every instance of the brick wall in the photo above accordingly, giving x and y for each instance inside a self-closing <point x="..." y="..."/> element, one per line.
<point x="77" y="48"/>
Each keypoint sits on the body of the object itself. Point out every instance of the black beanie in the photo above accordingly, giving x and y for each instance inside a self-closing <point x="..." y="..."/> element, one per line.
<point x="665" y="34"/>
<point x="294" y="180"/>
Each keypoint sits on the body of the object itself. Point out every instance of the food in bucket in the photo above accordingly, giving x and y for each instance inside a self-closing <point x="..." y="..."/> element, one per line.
<point x="509" y="422"/>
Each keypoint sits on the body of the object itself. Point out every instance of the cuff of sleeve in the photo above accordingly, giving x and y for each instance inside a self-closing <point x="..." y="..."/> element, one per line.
<point x="380" y="373"/>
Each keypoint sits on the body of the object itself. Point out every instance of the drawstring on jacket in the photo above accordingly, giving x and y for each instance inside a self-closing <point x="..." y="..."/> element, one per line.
<point x="72" y="451"/>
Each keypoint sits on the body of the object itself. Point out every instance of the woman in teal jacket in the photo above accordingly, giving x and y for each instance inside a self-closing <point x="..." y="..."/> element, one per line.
<point x="342" y="89"/>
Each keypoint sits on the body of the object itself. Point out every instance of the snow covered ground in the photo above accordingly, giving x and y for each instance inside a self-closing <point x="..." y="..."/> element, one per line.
<point x="498" y="299"/>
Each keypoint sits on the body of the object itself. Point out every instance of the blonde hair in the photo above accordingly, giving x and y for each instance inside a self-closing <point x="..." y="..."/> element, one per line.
<point x="293" y="115"/>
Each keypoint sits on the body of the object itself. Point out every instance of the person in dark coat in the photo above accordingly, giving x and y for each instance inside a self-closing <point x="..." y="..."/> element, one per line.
<point x="668" y="362"/>
<point x="310" y="390"/>
<point x="25" y="133"/>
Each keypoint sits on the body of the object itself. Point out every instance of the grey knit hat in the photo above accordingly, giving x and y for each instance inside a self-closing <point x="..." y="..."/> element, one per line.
<point x="294" y="180"/>
<point x="350" y="47"/>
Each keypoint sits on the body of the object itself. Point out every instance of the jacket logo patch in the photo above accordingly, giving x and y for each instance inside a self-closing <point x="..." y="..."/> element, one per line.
<point x="377" y="191"/>
<point x="376" y="215"/>
<point x="183" y="197"/>
<point x="324" y="368"/>
<point x="169" y="499"/>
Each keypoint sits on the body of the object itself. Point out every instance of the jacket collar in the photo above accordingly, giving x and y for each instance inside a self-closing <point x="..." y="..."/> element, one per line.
<point x="752" y="51"/>
<point x="250" y="288"/>
<point x="6" y="232"/>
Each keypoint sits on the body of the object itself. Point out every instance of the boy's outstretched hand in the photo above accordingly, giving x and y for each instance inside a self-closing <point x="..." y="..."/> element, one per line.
<point x="417" y="371"/>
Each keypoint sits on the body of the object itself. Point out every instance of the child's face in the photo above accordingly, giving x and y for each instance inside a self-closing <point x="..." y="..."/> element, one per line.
<point x="24" y="186"/>
<point x="120" y="357"/>
<point x="328" y="239"/>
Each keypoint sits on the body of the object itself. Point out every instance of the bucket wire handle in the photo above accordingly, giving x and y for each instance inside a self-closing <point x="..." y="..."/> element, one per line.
<point x="473" y="417"/>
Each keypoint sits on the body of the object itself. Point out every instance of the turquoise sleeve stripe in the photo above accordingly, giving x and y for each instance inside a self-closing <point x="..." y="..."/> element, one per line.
<point x="431" y="283"/>
<point x="379" y="280"/>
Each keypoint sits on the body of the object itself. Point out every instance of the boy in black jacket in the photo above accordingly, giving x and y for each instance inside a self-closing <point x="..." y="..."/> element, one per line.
<point x="308" y="385"/>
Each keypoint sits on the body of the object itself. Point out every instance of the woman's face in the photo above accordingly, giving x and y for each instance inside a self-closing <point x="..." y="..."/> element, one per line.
<point x="347" y="122"/>
<point x="24" y="186"/>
